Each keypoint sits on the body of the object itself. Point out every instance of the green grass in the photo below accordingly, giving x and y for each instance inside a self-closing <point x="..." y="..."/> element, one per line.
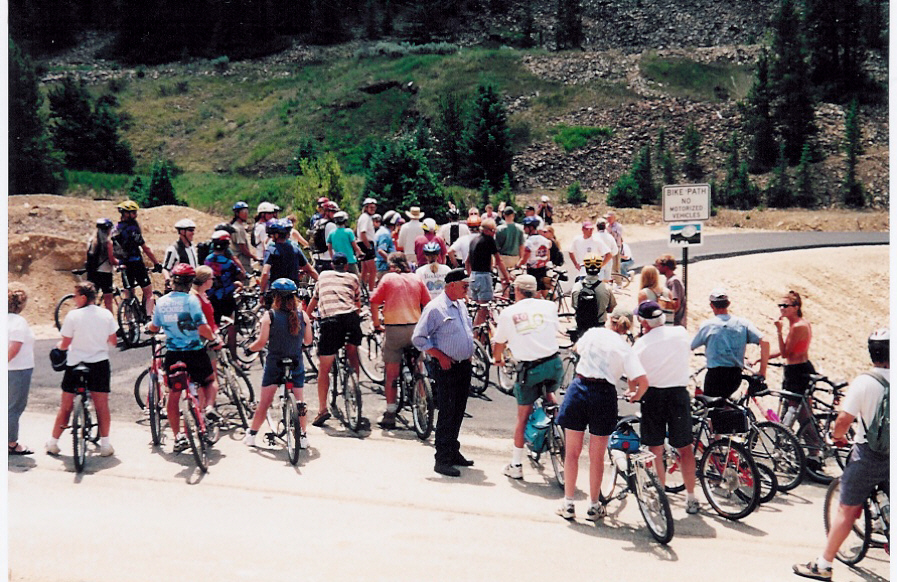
<point x="687" y="78"/>
<point x="572" y="137"/>
<point x="98" y="185"/>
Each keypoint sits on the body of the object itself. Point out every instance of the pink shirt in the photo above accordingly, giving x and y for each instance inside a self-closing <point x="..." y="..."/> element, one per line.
<point x="402" y="295"/>
<point x="423" y="239"/>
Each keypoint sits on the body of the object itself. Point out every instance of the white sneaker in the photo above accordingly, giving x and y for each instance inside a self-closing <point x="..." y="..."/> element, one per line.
<point x="249" y="440"/>
<point x="514" y="471"/>
<point x="303" y="441"/>
<point x="566" y="511"/>
<point x="52" y="448"/>
<point x="107" y="451"/>
<point x="692" y="506"/>
<point x="596" y="512"/>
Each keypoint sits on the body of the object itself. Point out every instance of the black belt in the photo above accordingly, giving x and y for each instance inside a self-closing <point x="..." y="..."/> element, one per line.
<point x="534" y="363"/>
<point x="598" y="381"/>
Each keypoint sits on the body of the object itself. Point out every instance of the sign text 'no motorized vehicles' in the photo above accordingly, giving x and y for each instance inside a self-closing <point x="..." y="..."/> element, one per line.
<point x="686" y="202"/>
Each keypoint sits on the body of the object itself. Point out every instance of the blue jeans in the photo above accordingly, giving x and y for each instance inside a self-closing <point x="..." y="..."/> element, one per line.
<point x="19" y="384"/>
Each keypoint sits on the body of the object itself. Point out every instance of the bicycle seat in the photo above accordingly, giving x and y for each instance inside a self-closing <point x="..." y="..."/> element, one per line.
<point x="287" y="362"/>
<point x="81" y="369"/>
<point x="710" y="402"/>
<point x="78" y="271"/>
<point x="626" y="421"/>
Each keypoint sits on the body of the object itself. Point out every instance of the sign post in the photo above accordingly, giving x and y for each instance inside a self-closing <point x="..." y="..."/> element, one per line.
<point x="685" y="207"/>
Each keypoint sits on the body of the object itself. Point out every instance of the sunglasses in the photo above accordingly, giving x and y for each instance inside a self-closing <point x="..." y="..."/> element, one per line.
<point x="784" y="305"/>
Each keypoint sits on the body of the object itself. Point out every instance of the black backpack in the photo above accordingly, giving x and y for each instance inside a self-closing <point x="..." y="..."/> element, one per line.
<point x="202" y="251"/>
<point x="319" y="236"/>
<point x="587" y="315"/>
<point x="94" y="256"/>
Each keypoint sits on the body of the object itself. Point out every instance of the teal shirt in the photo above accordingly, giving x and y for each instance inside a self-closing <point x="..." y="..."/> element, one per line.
<point x="342" y="239"/>
<point x="508" y="238"/>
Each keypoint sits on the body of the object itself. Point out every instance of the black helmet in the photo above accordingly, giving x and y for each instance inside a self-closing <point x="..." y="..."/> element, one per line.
<point x="880" y="345"/>
<point x="57" y="359"/>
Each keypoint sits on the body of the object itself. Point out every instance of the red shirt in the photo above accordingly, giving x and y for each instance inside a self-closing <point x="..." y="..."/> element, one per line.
<point x="403" y="296"/>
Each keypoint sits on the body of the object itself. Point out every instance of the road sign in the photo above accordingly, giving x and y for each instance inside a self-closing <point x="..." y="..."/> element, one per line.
<point x="686" y="234"/>
<point x="686" y="202"/>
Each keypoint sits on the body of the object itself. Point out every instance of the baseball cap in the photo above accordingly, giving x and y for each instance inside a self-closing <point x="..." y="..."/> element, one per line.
<point x="456" y="275"/>
<point x="339" y="258"/>
<point x="508" y="210"/>
<point x="588" y="224"/>
<point x="648" y="310"/>
<point x="525" y="282"/>
<point x="719" y="294"/>
<point x="544" y="198"/>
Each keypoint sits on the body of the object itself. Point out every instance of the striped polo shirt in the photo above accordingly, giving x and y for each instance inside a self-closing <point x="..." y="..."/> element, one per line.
<point x="337" y="293"/>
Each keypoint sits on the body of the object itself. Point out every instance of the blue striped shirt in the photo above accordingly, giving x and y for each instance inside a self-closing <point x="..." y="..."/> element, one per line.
<point x="446" y="326"/>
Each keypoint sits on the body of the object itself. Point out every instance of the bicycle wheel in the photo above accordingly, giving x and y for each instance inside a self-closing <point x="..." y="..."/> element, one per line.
<point x="854" y="548"/>
<point x="620" y="280"/>
<point x="370" y="356"/>
<point x="154" y="403"/>
<point x="557" y="449"/>
<point x="608" y="479"/>
<point x="291" y="421"/>
<point x="673" y="481"/>
<point x="129" y="316"/>
<point x="774" y="445"/>
<point x="566" y="322"/>
<point x="824" y="462"/>
<point x="65" y="305"/>
<point x="142" y="388"/>
<point x="79" y="434"/>
<point x="479" y="377"/>
<point x="197" y="441"/>
<point x="653" y="505"/>
<point x="423" y="407"/>
<point x="234" y="385"/>
<point x="352" y="401"/>
<point x="507" y="377"/>
<point x="730" y="479"/>
<point x="769" y="483"/>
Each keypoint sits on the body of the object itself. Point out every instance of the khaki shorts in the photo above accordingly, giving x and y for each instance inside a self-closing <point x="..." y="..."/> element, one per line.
<point x="510" y="261"/>
<point x="395" y="339"/>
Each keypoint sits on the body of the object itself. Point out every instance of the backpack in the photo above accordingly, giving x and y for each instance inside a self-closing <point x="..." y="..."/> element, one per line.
<point x="203" y="250"/>
<point x="318" y="236"/>
<point x="454" y="231"/>
<point x="94" y="256"/>
<point x="587" y="315"/>
<point x="878" y="431"/>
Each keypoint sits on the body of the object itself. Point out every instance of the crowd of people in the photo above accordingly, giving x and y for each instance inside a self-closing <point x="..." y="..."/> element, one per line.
<point x="418" y="278"/>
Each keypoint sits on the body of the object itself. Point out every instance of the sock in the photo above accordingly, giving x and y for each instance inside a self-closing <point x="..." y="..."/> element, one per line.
<point x="568" y="501"/>
<point x="593" y="503"/>
<point x="392" y="407"/>
<point x="822" y="563"/>
<point x="104" y="441"/>
<point x="690" y="496"/>
<point x="52" y="441"/>
<point x="517" y="457"/>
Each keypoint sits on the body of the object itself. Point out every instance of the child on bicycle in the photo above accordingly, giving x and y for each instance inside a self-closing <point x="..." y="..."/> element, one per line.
<point x="284" y="330"/>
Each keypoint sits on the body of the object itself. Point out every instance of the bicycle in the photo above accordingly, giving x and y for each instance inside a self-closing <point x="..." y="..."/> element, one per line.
<point x="620" y="280"/>
<point x="415" y="391"/>
<point x="871" y="530"/>
<point x="156" y="395"/>
<point x="630" y="469"/>
<point x="344" y="386"/>
<point x="233" y="382"/>
<point x="132" y="313"/>
<point x="544" y="435"/>
<point x="287" y="427"/>
<point x="84" y="429"/>
<point x="67" y="303"/>
<point x="200" y="436"/>
<point x="370" y="356"/>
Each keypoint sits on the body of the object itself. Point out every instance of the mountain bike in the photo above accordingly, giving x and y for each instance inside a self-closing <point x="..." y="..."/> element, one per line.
<point x="157" y="392"/>
<point x="200" y="434"/>
<point x="630" y="471"/>
<point x="415" y="391"/>
<point x="233" y="385"/>
<point x="345" y="393"/>
<point x="871" y="530"/>
<point x="287" y="427"/>
<point x="370" y="356"/>
<point x="132" y="315"/>
<point x="544" y="435"/>
<point x="84" y="429"/>
<point x="67" y="303"/>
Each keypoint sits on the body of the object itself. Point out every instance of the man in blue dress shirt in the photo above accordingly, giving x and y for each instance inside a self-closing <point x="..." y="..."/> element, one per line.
<point x="445" y="332"/>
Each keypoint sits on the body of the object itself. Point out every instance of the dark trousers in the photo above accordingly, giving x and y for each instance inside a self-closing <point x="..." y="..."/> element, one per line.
<point x="451" y="399"/>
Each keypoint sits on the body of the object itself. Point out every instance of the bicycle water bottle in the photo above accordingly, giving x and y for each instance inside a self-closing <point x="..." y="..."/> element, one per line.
<point x="771" y="416"/>
<point x="790" y="414"/>
<point x="619" y="459"/>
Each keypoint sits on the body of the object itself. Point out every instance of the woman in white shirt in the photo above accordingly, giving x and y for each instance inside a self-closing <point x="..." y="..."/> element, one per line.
<point x="20" y="361"/>
<point x="87" y="334"/>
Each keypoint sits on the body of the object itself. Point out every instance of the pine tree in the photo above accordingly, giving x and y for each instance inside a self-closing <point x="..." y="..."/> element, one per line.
<point x="778" y="192"/>
<point x="487" y="139"/>
<point x="161" y="190"/>
<point x="758" y="123"/>
<point x="853" y="190"/>
<point x="790" y="79"/>
<point x="837" y="42"/>
<point x="72" y="124"/>
<point x="624" y="193"/>
<point x="34" y="166"/>
<point x="399" y="176"/>
<point x="449" y="133"/>
<point x="114" y="153"/>
<point x="641" y="173"/>
<point x="568" y="34"/>
<point x="504" y="194"/>
<point x="665" y="159"/>
<point x="691" y="145"/>
<point x="804" y="194"/>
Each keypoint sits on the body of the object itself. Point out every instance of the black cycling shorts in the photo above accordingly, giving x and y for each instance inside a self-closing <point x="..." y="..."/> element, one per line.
<point x="722" y="382"/>
<point x="368" y="250"/>
<point x="338" y="331"/>
<point x="223" y="307"/>
<point x="98" y="376"/>
<point x="540" y="273"/>
<point x="102" y="281"/>
<point x="135" y="274"/>
<point x="199" y="367"/>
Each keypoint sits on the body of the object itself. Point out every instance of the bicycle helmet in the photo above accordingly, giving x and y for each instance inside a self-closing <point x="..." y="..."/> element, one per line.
<point x="340" y="217"/>
<point x="428" y="224"/>
<point x="240" y="206"/>
<point x="184" y="224"/>
<point x="284" y="286"/>
<point x="592" y="264"/>
<point x="331" y="205"/>
<point x="432" y="248"/>
<point x="454" y="213"/>
<point x="128" y="206"/>
<point x="266" y="207"/>
<point x="183" y="273"/>
<point x="104" y="223"/>
<point x="880" y="345"/>
<point x="220" y="240"/>
<point x="531" y="221"/>
<point x="368" y="201"/>
<point x="58" y="359"/>
<point x="376" y="216"/>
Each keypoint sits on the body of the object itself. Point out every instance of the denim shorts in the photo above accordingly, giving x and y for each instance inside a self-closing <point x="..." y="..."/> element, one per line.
<point x="591" y="404"/>
<point x="865" y="469"/>
<point x="481" y="286"/>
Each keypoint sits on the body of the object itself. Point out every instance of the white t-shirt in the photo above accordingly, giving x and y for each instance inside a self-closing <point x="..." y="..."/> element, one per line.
<point x="664" y="353"/>
<point x="583" y="247"/>
<point x="445" y="231"/>
<point x="89" y="328"/>
<point x="530" y="328"/>
<point x="539" y="248"/>
<point x="261" y="238"/>
<point x="863" y="396"/>
<point x="408" y="233"/>
<point x="365" y="224"/>
<point x="608" y="240"/>
<point x="462" y="246"/>
<point x="605" y="355"/>
<point x="434" y="282"/>
<point x="18" y="330"/>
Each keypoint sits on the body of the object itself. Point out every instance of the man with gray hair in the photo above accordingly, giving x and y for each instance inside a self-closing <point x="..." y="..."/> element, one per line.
<point x="530" y="329"/>
<point x="664" y="351"/>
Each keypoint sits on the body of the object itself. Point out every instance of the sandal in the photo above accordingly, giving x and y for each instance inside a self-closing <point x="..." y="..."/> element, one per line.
<point x="321" y="418"/>
<point x="17" y="451"/>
